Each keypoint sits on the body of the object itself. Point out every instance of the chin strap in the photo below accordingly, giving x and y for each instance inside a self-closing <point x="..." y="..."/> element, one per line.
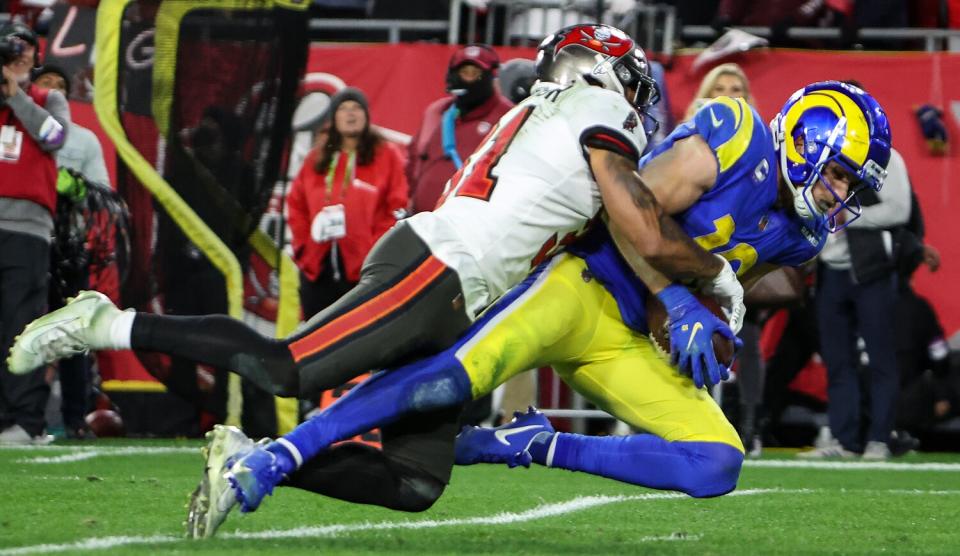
<point x="803" y="202"/>
<point x="805" y="207"/>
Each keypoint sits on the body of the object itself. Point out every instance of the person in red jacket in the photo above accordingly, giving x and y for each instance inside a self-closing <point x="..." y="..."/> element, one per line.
<point x="350" y="191"/>
<point x="33" y="124"/>
<point x="454" y="125"/>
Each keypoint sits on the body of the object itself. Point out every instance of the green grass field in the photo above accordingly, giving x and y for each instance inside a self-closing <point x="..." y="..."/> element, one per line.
<point x="97" y="498"/>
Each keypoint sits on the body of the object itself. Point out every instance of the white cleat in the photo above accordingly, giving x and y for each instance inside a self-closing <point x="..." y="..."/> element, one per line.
<point x="83" y="324"/>
<point x="215" y="496"/>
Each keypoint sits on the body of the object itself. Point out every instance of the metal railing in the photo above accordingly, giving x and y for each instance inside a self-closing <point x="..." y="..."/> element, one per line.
<point x="393" y="27"/>
<point x="529" y="21"/>
<point x="931" y="37"/>
<point x="654" y="26"/>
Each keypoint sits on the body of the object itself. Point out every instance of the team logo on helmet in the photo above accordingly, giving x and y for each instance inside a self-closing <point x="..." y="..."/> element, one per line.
<point x="831" y="123"/>
<point x="599" y="38"/>
<point x="601" y="55"/>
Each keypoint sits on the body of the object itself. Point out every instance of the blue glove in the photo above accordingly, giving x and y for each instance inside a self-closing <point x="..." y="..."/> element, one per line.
<point x="692" y="328"/>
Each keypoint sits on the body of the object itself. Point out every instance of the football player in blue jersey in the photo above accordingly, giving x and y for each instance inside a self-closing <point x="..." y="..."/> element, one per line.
<point x="759" y="197"/>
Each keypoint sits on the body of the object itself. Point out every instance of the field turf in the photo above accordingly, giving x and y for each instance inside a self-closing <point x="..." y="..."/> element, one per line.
<point x="128" y="498"/>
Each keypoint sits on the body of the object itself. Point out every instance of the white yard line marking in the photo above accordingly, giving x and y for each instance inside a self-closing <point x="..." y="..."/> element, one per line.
<point x="80" y="453"/>
<point x="507" y="518"/>
<point x="94" y="543"/>
<point x="89" y="453"/>
<point x="851" y="465"/>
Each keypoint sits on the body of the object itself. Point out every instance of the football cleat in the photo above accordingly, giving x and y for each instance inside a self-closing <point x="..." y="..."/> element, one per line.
<point x="831" y="451"/>
<point x="215" y="496"/>
<point x="507" y="443"/>
<point x="253" y="475"/>
<point x="83" y="324"/>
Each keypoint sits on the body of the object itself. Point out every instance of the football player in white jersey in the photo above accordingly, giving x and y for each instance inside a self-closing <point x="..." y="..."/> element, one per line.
<point x="538" y="179"/>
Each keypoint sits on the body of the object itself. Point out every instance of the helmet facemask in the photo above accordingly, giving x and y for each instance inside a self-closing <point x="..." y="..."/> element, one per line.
<point x="870" y="175"/>
<point x="838" y="123"/>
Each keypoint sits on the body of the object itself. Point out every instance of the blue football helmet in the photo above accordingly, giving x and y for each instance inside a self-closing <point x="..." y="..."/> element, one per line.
<point x="836" y="122"/>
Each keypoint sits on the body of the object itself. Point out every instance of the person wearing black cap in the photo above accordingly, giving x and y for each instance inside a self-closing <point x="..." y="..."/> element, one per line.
<point x="454" y="125"/>
<point x="81" y="151"/>
<point x="350" y="190"/>
<point x="33" y="125"/>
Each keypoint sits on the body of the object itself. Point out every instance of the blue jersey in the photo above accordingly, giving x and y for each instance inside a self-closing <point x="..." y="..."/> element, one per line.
<point x="736" y="218"/>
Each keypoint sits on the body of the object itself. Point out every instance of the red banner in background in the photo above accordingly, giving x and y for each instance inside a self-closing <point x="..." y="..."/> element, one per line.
<point x="401" y="80"/>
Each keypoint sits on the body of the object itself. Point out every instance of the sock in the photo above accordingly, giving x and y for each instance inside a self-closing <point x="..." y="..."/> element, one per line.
<point x="120" y="330"/>
<point x="288" y="456"/>
<point x="433" y="383"/>
<point x="542" y="447"/>
<point x="700" y="469"/>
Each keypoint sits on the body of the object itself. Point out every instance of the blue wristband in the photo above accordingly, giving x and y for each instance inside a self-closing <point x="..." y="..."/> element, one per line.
<point x="673" y="296"/>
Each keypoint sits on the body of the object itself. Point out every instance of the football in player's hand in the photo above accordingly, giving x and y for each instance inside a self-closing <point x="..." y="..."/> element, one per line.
<point x="660" y="329"/>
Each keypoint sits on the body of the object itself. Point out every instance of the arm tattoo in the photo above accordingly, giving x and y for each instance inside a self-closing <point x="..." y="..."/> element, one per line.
<point x="679" y="257"/>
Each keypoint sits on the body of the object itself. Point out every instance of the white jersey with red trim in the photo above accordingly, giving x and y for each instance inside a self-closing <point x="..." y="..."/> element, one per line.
<point x="528" y="189"/>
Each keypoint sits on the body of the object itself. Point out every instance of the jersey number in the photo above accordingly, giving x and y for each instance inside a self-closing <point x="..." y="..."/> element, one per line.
<point x="743" y="253"/>
<point x="476" y="177"/>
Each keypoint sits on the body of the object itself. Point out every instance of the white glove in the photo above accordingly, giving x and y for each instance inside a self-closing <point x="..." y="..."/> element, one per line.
<point x="729" y="292"/>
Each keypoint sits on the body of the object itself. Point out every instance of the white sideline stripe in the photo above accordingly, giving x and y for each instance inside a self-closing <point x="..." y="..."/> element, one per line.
<point x="95" y="543"/>
<point x="118" y="451"/>
<point x="80" y="453"/>
<point x="91" y="448"/>
<point x="852" y="465"/>
<point x="507" y="518"/>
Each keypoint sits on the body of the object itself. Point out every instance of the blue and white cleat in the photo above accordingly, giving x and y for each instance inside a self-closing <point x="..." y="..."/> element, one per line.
<point x="253" y="475"/>
<point x="215" y="496"/>
<point x="507" y="443"/>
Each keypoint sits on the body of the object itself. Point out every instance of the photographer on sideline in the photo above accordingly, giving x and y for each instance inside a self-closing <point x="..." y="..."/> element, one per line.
<point x="33" y="123"/>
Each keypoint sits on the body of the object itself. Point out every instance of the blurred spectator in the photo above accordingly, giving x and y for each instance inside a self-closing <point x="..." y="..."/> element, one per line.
<point x="857" y="296"/>
<point x="798" y="341"/>
<point x="82" y="153"/>
<point x="695" y="12"/>
<point x="929" y="394"/>
<point x="350" y="191"/>
<point x="781" y="15"/>
<point x="880" y="13"/>
<point x="33" y="124"/>
<point x="453" y="126"/>
<point x="517" y="76"/>
<point x="723" y="80"/>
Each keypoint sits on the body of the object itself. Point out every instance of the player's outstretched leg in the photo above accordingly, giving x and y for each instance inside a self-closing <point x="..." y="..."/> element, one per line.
<point x="85" y="323"/>
<point x="91" y="322"/>
<point x="215" y="496"/>
<point x="700" y="469"/>
<point x="507" y="443"/>
<point x="437" y="383"/>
